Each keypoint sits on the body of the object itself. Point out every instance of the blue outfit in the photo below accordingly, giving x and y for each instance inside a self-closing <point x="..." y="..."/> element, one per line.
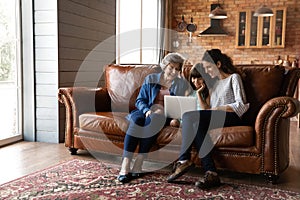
<point x="143" y="130"/>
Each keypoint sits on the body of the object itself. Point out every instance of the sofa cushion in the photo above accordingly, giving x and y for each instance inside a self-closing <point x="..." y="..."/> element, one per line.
<point x="236" y="136"/>
<point x="123" y="84"/>
<point x="113" y="123"/>
<point x="116" y="124"/>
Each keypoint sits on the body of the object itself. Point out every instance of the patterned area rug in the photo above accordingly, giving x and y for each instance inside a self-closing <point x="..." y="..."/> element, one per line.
<point x="81" y="179"/>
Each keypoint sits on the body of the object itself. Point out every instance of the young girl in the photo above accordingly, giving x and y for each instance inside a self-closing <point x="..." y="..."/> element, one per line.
<point x="225" y="108"/>
<point x="199" y="89"/>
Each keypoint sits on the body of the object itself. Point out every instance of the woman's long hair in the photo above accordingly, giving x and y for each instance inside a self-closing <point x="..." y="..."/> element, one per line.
<point x="215" y="55"/>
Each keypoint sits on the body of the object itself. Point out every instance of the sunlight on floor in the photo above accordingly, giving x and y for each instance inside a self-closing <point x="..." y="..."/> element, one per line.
<point x="8" y="107"/>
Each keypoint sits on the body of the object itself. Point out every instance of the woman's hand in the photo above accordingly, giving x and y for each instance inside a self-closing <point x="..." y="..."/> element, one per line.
<point x="159" y="111"/>
<point x="156" y="111"/>
<point x="224" y="108"/>
<point x="175" y="123"/>
<point x="148" y="113"/>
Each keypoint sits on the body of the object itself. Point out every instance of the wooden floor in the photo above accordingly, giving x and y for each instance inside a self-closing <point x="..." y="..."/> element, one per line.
<point x="23" y="158"/>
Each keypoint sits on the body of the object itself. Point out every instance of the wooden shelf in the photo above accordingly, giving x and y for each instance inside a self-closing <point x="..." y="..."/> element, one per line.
<point x="261" y="32"/>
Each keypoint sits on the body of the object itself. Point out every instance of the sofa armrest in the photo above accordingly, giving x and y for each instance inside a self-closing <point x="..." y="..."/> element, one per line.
<point x="78" y="100"/>
<point x="274" y="109"/>
<point x="272" y="131"/>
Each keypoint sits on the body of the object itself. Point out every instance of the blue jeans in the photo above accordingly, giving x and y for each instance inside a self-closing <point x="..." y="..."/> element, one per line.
<point x="142" y="131"/>
<point x="195" y="126"/>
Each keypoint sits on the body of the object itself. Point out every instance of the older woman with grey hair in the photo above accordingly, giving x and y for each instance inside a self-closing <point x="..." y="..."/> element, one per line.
<point x="148" y="118"/>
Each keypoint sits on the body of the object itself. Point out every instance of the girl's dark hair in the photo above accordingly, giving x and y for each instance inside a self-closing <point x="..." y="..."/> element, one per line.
<point x="215" y="55"/>
<point x="197" y="71"/>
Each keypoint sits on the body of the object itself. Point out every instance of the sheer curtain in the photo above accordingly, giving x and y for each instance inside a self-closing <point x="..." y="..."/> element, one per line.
<point x="165" y="23"/>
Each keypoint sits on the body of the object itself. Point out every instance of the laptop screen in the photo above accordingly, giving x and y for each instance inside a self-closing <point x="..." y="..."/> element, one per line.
<point x="175" y="106"/>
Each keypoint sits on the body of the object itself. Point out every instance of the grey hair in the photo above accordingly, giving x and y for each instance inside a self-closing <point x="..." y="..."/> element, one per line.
<point x="172" y="58"/>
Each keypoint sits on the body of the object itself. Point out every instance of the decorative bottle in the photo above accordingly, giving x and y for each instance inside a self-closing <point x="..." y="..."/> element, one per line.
<point x="286" y="62"/>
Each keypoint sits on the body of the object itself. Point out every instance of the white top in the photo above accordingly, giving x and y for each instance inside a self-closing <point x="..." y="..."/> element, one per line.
<point x="229" y="92"/>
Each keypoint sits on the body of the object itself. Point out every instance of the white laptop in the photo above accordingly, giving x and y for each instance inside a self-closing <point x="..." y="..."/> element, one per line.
<point x="175" y="106"/>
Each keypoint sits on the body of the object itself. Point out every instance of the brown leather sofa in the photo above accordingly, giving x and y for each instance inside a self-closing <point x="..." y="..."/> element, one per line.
<point x="95" y="119"/>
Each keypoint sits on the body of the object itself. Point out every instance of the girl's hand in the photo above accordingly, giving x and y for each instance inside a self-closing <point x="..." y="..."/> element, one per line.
<point x="201" y="88"/>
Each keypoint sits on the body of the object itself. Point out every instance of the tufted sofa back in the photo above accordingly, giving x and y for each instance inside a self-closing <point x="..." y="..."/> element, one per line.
<point x="123" y="83"/>
<point x="261" y="83"/>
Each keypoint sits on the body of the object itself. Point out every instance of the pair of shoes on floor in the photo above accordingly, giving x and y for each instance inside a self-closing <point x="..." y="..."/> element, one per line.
<point x="210" y="180"/>
<point x="124" y="178"/>
<point x="180" y="169"/>
<point x="131" y="175"/>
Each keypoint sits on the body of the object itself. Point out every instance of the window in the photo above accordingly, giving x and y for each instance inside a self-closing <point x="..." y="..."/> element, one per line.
<point x="10" y="85"/>
<point x="138" y="32"/>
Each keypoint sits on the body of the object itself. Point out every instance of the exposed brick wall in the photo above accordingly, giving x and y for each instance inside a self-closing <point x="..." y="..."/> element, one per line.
<point x="200" y="9"/>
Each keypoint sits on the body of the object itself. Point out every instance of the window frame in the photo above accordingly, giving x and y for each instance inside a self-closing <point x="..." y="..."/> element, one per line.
<point x="142" y="33"/>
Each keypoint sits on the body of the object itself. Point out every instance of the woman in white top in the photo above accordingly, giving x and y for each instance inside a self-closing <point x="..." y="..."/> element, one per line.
<point x="225" y="107"/>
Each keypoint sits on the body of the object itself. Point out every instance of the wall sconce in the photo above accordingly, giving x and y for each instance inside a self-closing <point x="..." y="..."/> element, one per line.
<point x="218" y="13"/>
<point x="263" y="11"/>
<point x="175" y="44"/>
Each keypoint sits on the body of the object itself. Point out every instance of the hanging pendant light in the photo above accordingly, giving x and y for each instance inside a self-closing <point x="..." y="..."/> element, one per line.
<point x="263" y="11"/>
<point x="218" y="13"/>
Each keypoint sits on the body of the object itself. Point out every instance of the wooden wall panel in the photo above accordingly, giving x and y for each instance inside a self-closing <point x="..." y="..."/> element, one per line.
<point x="66" y="32"/>
<point x="84" y="27"/>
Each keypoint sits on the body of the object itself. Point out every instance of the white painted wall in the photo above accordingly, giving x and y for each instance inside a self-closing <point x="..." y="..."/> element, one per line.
<point x="46" y="70"/>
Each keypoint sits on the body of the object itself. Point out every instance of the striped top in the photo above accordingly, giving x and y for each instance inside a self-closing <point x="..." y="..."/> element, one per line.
<point x="229" y="92"/>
